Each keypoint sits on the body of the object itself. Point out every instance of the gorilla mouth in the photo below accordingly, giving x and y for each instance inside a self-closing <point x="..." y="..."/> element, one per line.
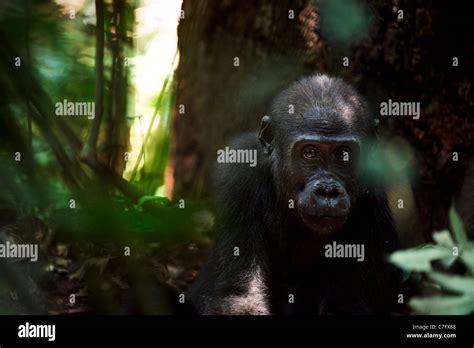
<point x="324" y="221"/>
<point x="325" y="216"/>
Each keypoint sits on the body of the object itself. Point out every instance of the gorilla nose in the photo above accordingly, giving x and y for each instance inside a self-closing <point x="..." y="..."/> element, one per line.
<point x="322" y="191"/>
<point x="329" y="198"/>
<point x="327" y="192"/>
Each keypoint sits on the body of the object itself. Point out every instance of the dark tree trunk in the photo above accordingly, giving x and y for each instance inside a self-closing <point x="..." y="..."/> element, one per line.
<point x="220" y="99"/>
<point x="89" y="151"/>
<point x="116" y="129"/>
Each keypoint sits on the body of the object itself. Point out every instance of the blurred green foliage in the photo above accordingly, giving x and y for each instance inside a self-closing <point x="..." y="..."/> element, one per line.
<point x="57" y="62"/>
<point x="387" y="162"/>
<point x="345" y="22"/>
<point x="457" y="296"/>
<point x="48" y="192"/>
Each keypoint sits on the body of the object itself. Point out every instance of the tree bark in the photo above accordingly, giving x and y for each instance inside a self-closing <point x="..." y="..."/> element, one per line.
<point x="89" y="151"/>
<point x="221" y="99"/>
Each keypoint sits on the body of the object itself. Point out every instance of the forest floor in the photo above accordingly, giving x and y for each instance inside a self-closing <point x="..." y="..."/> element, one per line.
<point x="75" y="277"/>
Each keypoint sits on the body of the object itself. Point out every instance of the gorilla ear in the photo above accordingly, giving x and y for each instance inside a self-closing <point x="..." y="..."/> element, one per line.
<point x="265" y="135"/>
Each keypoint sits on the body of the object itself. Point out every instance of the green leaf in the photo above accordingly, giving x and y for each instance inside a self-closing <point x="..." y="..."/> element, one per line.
<point x="444" y="238"/>
<point x="447" y="305"/>
<point x="467" y="256"/>
<point x="419" y="259"/>
<point x="463" y="285"/>
<point x="457" y="228"/>
<point x="148" y="198"/>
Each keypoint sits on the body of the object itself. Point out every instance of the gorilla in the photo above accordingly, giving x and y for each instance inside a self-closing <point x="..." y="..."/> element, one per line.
<point x="304" y="231"/>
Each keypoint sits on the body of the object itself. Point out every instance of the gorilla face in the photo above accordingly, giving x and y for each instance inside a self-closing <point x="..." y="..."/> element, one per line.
<point x="322" y="180"/>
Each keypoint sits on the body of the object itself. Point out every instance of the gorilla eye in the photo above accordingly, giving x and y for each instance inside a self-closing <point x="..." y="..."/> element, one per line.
<point x="342" y="154"/>
<point x="310" y="152"/>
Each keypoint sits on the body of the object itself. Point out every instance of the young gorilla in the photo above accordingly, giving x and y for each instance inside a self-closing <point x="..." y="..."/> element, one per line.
<point x="270" y="255"/>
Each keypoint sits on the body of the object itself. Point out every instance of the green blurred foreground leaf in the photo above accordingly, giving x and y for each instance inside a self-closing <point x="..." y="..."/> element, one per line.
<point x="446" y="251"/>
<point x="419" y="259"/>
<point x="457" y="227"/>
<point x="463" y="285"/>
<point x="448" y="305"/>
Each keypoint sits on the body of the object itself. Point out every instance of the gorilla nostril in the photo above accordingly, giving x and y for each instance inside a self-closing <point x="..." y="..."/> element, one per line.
<point x="321" y="192"/>
<point x="334" y="193"/>
<point x="327" y="192"/>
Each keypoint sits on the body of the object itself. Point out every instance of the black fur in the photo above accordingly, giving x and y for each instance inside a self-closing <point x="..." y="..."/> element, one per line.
<point x="278" y="257"/>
